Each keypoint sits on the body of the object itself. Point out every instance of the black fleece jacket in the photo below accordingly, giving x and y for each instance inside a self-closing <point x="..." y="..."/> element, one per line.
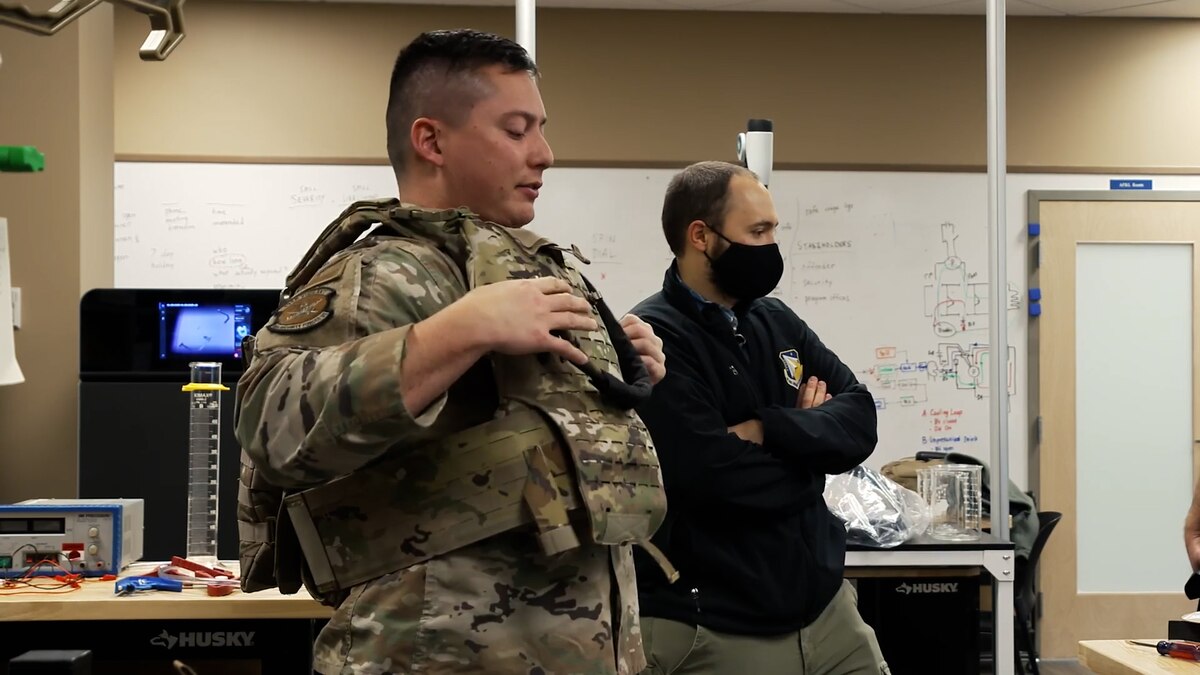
<point x="747" y="527"/>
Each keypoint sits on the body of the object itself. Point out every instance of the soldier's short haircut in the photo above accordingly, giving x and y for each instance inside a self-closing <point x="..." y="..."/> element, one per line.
<point x="438" y="76"/>
<point x="699" y="192"/>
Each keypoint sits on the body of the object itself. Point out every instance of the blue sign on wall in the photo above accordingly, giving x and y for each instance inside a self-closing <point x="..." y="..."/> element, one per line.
<point x="1127" y="184"/>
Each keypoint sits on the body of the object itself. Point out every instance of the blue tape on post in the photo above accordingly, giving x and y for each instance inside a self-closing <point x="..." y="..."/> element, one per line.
<point x="1035" y="309"/>
<point x="1035" y="229"/>
<point x="1035" y="294"/>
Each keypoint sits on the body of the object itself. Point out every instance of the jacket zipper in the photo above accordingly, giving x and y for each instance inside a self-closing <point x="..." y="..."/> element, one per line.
<point x="739" y="365"/>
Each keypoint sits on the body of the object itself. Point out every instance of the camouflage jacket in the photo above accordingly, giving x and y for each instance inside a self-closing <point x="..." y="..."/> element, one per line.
<point x="322" y="399"/>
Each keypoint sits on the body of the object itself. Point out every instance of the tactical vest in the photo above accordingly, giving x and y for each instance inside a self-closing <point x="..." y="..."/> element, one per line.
<point x="565" y="448"/>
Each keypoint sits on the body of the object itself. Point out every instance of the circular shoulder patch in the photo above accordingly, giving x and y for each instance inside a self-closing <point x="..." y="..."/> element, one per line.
<point x="304" y="311"/>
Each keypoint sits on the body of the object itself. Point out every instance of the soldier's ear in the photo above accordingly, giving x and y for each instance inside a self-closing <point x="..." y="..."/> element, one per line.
<point x="425" y="136"/>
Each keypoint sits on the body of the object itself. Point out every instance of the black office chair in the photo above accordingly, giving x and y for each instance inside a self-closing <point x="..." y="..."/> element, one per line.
<point x="1024" y="595"/>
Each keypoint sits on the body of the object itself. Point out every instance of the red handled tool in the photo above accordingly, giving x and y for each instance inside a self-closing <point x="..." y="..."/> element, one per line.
<point x="1177" y="649"/>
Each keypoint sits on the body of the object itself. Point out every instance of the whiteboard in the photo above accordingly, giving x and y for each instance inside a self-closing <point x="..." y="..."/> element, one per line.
<point x="889" y="268"/>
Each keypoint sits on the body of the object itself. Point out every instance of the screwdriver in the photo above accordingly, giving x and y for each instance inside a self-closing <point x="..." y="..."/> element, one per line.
<point x="1178" y="649"/>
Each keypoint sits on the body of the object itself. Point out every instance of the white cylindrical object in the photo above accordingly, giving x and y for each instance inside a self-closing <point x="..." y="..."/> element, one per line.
<point x="760" y="154"/>
<point x="756" y="148"/>
<point x="527" y="26"/>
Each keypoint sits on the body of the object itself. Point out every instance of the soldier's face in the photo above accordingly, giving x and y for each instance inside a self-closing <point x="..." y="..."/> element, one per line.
<point x="494" y="160"/>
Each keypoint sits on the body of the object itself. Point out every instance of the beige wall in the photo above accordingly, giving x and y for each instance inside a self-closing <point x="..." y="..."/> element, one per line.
<point x="96" y="111"/>
<point x="308" y="81"/>
<point x="55" y="94"/>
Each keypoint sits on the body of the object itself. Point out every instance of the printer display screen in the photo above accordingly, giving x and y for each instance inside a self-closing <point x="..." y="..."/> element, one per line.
<point x="188" y="329"/>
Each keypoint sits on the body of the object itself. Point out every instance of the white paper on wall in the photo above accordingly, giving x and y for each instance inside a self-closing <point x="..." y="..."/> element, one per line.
<point x="10" y="371"/>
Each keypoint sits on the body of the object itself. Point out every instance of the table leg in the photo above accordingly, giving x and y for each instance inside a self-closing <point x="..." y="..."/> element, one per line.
<point x="1000" y="564"/>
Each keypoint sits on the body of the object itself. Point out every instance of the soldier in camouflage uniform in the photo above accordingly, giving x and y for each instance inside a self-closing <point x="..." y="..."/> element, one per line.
<point x="400" y="341"/>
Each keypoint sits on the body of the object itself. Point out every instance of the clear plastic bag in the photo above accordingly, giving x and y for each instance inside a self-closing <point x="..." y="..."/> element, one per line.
<point x="876" y="510"/>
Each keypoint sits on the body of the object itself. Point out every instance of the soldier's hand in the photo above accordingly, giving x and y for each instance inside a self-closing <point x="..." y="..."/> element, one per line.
<point x="520" y="315"/>
<point x="812" y="394"/>
<point x="648" y="345"/>
<point x="1191" y="537"/>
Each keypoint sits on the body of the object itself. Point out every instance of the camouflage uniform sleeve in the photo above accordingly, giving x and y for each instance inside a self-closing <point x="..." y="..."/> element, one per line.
<point x="321" y="401"/>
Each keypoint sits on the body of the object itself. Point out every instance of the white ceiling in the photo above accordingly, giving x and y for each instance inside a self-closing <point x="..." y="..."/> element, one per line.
<point x="1110" y="8"/>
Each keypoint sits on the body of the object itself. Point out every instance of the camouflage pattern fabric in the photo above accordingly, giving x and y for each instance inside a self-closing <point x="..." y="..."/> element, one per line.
<point x="618" y="470"/>
<point x="435" y="499"/>
<point x="322" y="399"/>
<point x="483" y="609"/>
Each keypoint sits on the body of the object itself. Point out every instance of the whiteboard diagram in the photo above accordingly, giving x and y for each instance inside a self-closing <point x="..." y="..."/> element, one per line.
<point x="953" y="299"/>
<point x="901" y="381"/>
<point x="955" y="304"/>
<point x="898" y="381"/>
<point x="970" y="369"/>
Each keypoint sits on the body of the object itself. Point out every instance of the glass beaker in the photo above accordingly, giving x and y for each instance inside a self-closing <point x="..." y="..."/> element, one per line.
<point x="953" y="492"/>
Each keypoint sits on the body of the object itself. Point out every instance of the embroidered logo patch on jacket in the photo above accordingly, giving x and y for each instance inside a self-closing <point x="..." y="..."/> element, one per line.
<point x="793" y="370"/>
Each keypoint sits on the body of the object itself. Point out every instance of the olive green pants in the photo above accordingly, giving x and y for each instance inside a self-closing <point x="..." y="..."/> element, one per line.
<point x="839" y="642"/>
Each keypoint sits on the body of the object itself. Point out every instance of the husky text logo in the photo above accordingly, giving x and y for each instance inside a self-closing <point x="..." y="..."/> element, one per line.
<point x="204" y="639"/>
<point x="907" y="589"/>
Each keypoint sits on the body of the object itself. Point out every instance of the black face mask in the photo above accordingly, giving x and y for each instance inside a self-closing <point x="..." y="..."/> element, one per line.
<point x="747" y="272"/>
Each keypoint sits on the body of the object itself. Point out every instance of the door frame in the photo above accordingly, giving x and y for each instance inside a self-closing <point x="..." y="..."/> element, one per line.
<point x="1034" y="199"/>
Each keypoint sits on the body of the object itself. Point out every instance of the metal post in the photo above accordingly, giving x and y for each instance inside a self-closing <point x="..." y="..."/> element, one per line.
<point x="998" y="273"/>
<point x="526" y="26"/>
<point x="997" y="295"/>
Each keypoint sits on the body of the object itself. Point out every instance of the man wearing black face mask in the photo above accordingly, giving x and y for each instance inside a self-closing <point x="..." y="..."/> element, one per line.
<point x="745" y="443"/>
